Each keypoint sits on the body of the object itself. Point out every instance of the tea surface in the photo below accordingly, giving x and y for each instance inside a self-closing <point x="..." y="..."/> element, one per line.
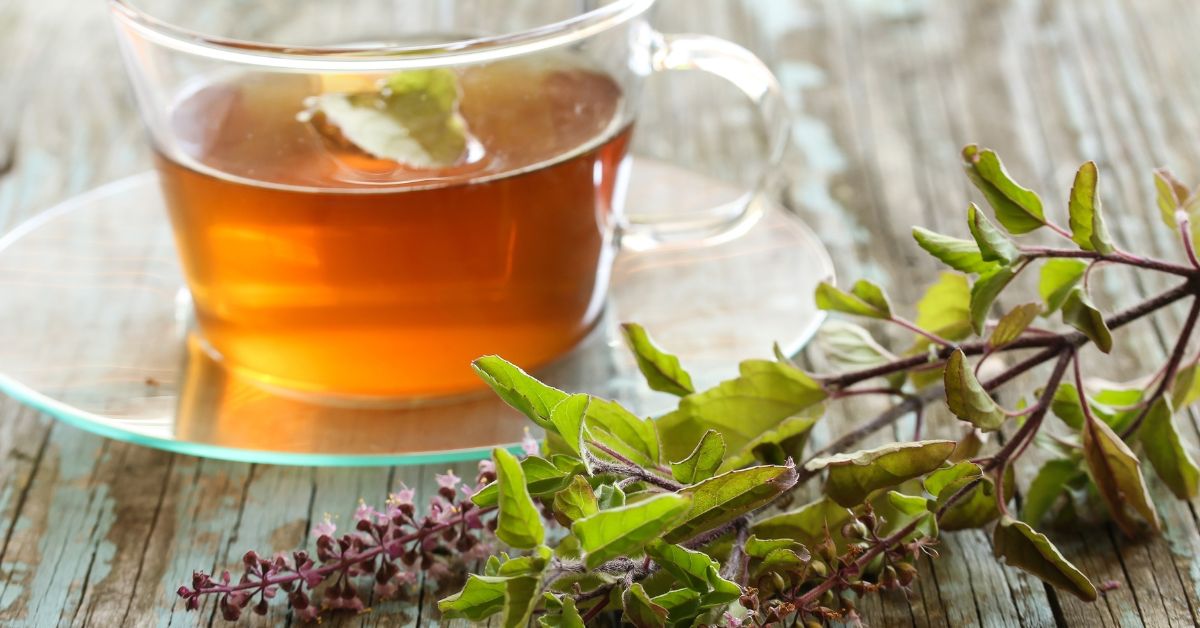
<point x="317" y="266"/>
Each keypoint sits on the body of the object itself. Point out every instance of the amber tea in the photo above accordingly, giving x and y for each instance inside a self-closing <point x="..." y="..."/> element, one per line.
<point x="330" y="251"/>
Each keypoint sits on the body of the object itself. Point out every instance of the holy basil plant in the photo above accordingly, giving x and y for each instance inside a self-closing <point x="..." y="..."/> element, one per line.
<point x="690" y="518"/>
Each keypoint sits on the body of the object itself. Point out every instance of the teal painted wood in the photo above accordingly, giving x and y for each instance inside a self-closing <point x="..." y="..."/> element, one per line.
<point x="885" y="93"/>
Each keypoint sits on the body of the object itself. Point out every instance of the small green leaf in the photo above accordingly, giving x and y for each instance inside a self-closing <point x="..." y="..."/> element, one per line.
<point x="966" y="397"/>
<point x="1066" y="406"/>
<point x="847" y="346"/>
<point x="521" y="595"/>
<point x="627" y="529"/>
<point x="688" y="567"/>
<point x="961" y="255"/>
<point x="1087" y="221"/>
<point x="640" y="611"/>
<point x="609" y="496"/>
<point x="567" y="418"/>
<point x="899" y="510"/>
<point x="806" y="524"/>
<point x="704" y="460"/>
<point x="541" y="478"/>
<point x="661" y="370"/>
<point x="520" y="523"/>
<point x="482" y="597"/>
<point x="682" y="606"/>
<point x="1172" y="195"/>
<point x="1013" y="324"/>
<point x="1186" y="388"/>
<point x="566" y="617"/>
<point x="984" y="293"/>
<point x="759" y="548"/>
<point x="976" y="508"/>
<point x="721" y="499"/>
<point x="741" y="409"/>
<point x="1017" y="208"/>
<point x="1025" y="548"/>
<point x="1050" y="482"/>
<point x="622" y="431"/>
<point x="1165" y="450"/>
<point x="575" y="502"/>
<point x="993" y="245"/>
<point x="1058" y="278"/>
<point x="854" y="476"/>
<point x="1078" y="312"/>
<point x="776" y="445"/>
<point x="519" y="390"/>
<point x="864" y="299"/>
<point x="945" y="308"/>
<point x="1118" y="476"/>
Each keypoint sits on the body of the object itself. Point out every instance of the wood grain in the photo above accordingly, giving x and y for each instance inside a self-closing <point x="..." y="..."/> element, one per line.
<point x="884" y="93"/>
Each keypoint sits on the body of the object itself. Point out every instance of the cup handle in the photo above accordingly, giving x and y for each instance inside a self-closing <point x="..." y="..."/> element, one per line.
<point x="735" y="64"/>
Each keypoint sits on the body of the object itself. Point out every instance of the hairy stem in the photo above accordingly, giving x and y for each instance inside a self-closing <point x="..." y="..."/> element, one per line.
<point x="1117" y="257"/>
<point x="1169" y="372"/>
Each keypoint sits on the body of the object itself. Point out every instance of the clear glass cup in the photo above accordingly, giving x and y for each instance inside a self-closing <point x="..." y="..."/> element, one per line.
<point x="368" y="194"/>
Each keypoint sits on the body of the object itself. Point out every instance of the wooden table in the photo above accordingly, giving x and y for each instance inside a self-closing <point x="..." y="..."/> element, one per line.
<point x="885" y="93"/>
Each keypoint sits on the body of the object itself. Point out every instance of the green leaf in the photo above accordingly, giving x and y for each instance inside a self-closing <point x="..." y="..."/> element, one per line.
<point x="1118" y="476"/>
<point x="1058" y="278"/>
<point x="704" y="460"/>
<point x="1186" y="388"/>
<point x="1050" y="482"/>
<point x="682" y="605"/>
<point x="541" y="478"/>
<point x="1066" y="406"/>
<point x="575" y="502"/>
<point x="661" y="370"/>
<point x="806" y="524"/>
<point x="1025" y="548"/>
<point x="1078" y="312"/>
<point x="610" y="496"/>
<point x="627" y="529"/>
<point x="993" y="245"/>
<point x="776" y="445"/>
<point x="976" y="508"/>
<point x="622" y="431"/>
<point x="899" y="510"/>
<point x="966" y="397"/>
<point x="1165" y="450"/>
<point x="759" y="548"/>
<point x="567" y="418"/>
<point x="864" y="299"/>
<point x="849" y="347"/>
<point x="984" y="293"/>
<point x="740" y="409"/>
<point x="961" y="255"/>
<point x="688" y="567"/>
<point x="1013" y="324"/>
<point x="519" y="390"/>
<point x="640" y="611"/>
<point x="1087" y="222"/>
<point x="721" y="499"/>
<point x="945" y="309"/>
<point x="567" y="617"/>
<point x="519" y="522"/>
<point x="482" y="597"/>
<point x="1172" y="195"/>
<point x="521" y="596"/>
<point x="854" y="476"/>
<point x="412" y="118"/>
<point x="1017" y="208"/>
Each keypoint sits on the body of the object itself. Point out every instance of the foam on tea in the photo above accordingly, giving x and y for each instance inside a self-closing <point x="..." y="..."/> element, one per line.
<point x="332" y="265"/>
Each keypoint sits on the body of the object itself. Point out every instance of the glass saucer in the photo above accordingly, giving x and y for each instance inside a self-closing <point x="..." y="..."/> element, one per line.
<point x="94" y="330"/>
